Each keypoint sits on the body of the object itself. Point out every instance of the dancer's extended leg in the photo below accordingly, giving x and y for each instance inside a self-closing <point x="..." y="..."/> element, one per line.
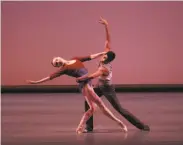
<point x="104" y="109"/>
<point x="88" y="113"/>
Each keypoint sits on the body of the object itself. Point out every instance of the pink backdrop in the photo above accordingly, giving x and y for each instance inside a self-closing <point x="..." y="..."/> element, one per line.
<point x="146" y="36"/>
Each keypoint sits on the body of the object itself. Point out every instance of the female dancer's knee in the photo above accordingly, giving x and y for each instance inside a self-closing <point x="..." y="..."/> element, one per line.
<point x="90" y="111"/>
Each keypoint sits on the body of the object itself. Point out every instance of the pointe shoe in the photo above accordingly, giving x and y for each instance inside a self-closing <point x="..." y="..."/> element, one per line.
<point x="79" y="130"/>
<point x="123" y="127"/>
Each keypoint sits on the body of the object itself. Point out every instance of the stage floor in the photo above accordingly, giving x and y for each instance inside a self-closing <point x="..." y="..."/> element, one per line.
<point x="51" y="119"/>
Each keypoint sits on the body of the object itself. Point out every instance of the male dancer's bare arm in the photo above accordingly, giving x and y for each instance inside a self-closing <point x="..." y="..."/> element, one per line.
<point x="90" y="57"/>
<point x="96" y="74"/>
<point x="108" y="38"/>
<point x="93" y="56"/>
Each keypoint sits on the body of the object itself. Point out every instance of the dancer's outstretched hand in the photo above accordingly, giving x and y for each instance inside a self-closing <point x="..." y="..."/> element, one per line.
<point x="31" y="82"/>
<point x="103" y="21"/>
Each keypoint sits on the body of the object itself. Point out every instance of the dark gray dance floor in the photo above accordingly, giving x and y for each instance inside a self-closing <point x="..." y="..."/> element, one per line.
<point x="51" y="119"/>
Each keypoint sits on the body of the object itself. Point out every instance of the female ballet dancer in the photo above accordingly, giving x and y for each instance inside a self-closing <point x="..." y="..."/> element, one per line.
<point x="75" y="68"/>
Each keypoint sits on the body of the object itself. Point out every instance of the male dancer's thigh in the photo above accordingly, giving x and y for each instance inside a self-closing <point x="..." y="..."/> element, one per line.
<point x="110" y="94"/>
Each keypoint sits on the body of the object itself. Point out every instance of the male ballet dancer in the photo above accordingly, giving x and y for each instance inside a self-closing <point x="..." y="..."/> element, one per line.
<point x="105" y="87"/>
